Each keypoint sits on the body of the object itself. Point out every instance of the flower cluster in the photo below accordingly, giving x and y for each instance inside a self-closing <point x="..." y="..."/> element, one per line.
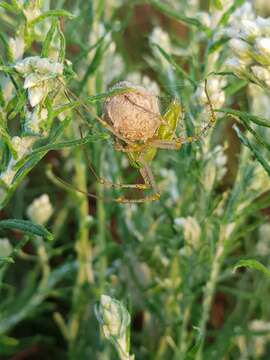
<point x="5" y="247"/>
<point x="39" y="74"/>
<point x="40" y="210"/>
<point x="250" y="45"/>
<point x="39" y="79"/>
<point x="115" y="321"/>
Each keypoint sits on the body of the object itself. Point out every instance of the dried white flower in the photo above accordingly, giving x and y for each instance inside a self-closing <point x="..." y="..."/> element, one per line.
<point x="40" y="210"/>
<point x="261" y="73"/>
<point x="259" y="344"/>
<point x="235" y="65"/>
<point x="264" y="25"/>
<point x="170" y="184"/>
<point x="114" y="320"/>
<point x="5" y="247"/>
<point x="240" y="48"/>
<point x="31" y="9"/>
<point x="263" y="244"/>
<point x="205" y="18"/>
<point x="191" y="230"/>
<point x="22" y="146"/>
<point x="39" y="74"/>
<point x="249" y="29"/>
<point x="161" y="37"/>
<point x="262" y="46"/>
<point x="17" y="47"/>
<point x="34" y="120"/>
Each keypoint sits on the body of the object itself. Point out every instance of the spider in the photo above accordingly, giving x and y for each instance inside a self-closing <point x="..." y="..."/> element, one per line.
<point x="133" y="117"/>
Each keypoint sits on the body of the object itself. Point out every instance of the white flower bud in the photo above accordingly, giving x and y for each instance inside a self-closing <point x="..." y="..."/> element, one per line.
<point x="216" y="94"/>
<point x="262" y="46"/>
<point x="22" y="145"/>
<point x="37" y="94"/>
<point x="31" y="9"/>
<point x="115" y="321"/>
<point x="161" y="37"/>
<point x="261" y="73"/>
<point x="236" y="66"/>
<point x="205" y="18"/>
<point x="264" y="25"/>
<point x="39" y="74"/>
<point x="17" y="47"/>
<point x="249" y="29"/>
<point x="5" y="248"/>
<point x="240" y="48"/>
<point x="33" y="120"/>
<point x="40" y="210"/>
<point x="32" y="79"/>
<point x="38" y="65"/>
<point x="191" y="229"/>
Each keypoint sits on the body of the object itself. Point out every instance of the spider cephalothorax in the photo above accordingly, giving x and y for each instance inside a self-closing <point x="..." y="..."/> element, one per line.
<point x="134" y="115"/>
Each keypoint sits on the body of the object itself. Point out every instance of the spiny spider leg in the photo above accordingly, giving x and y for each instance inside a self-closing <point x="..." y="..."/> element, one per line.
<point x="108" y="183"/>
<point x="121" y="200"/>
<point x="149" y="179"/>
<point x="178" y="142"/>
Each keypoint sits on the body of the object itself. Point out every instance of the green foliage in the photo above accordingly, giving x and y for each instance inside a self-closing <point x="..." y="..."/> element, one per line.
<point x="253" y="264"/>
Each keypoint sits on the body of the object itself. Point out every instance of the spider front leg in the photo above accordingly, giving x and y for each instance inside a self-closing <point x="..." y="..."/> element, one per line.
<point x="165" y="140"/>
<point x="149" y="179"/>
<point x="111" y="184"/>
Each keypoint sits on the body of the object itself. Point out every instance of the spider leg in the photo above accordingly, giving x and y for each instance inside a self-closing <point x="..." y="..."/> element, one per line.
<point x="121" y="200"/>
<point x="177" y="142"/>
<point x="109" y="183"/>
<point x="149" y="179"/>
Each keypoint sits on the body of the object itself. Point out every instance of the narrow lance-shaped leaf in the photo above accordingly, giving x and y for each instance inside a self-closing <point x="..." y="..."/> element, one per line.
<point x="51" y="13"/>
<point x="27" y="227"/>
<point x="177" y="15"/>
<point x="49" y="38"/>
<point x="181" y="72"/>
<point x="244" y="140"/>
<point x="253" y="264"/>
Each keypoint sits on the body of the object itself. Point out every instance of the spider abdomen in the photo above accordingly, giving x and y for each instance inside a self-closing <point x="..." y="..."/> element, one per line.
<point x="134" y="115"/>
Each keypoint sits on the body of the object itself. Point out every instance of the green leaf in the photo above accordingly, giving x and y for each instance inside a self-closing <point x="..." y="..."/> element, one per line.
<point x="245" y="141"/>
<point x="49" y="38"/>
<point x="9" y="7"/>
<point x="245" y="117"/>
<point x="7" y="49"/>
<point x="216" y="45"/>
<point x="252" y="264"/>
<point x="235" y="86"/>
<point x="177" y="15"/>
<point x="62" y="50"/>
<point x="226" y="16"/>
<point x="94" y="63"/>
<point x="217" y="4"/>
<point x="51" y="13"/>
<point x="242" y="115"/>
<point x="181" y="72"/>
<point x="27" y="227"/>
<point x="61" y="145"/>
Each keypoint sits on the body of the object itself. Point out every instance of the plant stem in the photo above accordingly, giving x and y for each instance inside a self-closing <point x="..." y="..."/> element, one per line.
<point x="210" y="289"/>
<point x="84" y="251"/>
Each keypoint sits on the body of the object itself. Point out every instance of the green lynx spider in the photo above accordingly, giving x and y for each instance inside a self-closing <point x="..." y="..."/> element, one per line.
<point x="141" y="154"/>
